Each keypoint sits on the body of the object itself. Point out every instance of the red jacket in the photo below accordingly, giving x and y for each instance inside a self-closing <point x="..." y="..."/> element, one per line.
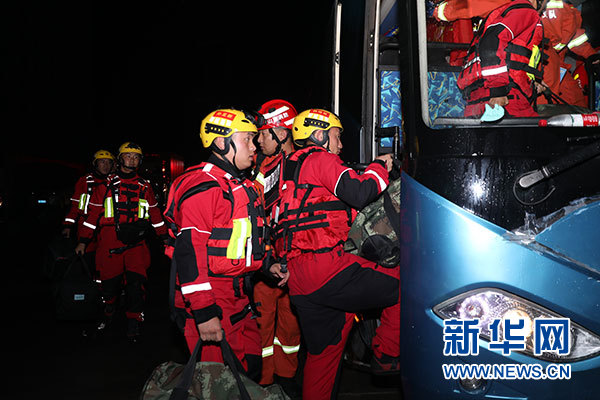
<point x="80" y="199"/>
<point x="129" y="196"/>
<point x="500" y="57"/>
<point x="451" y="10"/>
<point x="562" y="27"/>
<point x="217" y="234"/>
<point x="319" y="200"/>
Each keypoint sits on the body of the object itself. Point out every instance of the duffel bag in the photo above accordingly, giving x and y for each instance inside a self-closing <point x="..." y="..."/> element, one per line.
<point x="375" y="232"/>
<point x="58" y="256"/>
<point x="206" y="381"/>
<point x="76" y="294"/>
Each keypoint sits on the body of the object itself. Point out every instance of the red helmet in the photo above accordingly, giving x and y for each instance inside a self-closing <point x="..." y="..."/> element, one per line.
<point x="276" y="114"/>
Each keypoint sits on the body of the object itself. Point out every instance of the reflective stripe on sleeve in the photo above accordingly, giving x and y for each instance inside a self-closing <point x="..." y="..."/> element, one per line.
<point x="158" y="225"/>
<point x="578" y="41"/>
<point x="89" y="225"/>
<point x="382" y="183"/>
<point x="441" y="9"/>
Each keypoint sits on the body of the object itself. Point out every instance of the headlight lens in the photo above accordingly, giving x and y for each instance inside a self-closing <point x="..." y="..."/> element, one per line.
<point x="488" y="304"/>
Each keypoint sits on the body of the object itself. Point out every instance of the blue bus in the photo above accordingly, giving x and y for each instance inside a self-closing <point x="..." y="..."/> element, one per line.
<point x="500" y="221"/>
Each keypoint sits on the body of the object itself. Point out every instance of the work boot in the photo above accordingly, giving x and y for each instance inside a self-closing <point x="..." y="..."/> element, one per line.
<point x="289" y="386"/>
<point x="99" y="328"/>
<point x="133" y="330"/>
<point x="385" y="365"/>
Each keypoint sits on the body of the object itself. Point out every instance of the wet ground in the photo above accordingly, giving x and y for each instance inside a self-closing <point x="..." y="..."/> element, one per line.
<point x="49" y="358"/>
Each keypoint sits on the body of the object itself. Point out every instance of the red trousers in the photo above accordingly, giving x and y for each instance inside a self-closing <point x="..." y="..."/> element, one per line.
<point x="566" y="88"/>
<point x="518" y="105"/>
<point x="128" y="267"/>
<point x="326" y="306"/>
<point x="243" y="336"/>
<point x="279" y="331"/>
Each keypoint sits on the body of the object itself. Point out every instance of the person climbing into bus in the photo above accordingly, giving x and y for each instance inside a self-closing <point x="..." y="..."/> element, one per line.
<point x="328" y="286"/>
<point x="502" y="64"/>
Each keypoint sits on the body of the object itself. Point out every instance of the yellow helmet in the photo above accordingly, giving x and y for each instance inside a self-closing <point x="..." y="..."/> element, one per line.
<point x="308" y="121"/>
<point x="103" y="154"/>
<point x="130" y="147"/>
<point x="224" y="123"/>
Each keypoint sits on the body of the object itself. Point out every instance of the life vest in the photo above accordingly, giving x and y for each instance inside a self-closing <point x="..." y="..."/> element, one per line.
<point x="91" y="183"/>
<point x="126" y="201"/>
<point x="236" y="243"/>
<point x="126" y="206"/>
<point x="307" y="221"/>
<point x="523" y="55"/>
<point x="268" y="178"/>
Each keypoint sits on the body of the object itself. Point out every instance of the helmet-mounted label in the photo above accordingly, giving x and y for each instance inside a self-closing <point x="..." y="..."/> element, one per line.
<point x="217" y="129"/>
<point x="316" y="123"/>
<point x="320" y="114"/>
<point x="277" y="115"/>
<point x="224" y="114"/>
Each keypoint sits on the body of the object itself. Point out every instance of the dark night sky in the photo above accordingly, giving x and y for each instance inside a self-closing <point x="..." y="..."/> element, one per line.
<point x="80" y="76"/>
<point x="87" y="75"/>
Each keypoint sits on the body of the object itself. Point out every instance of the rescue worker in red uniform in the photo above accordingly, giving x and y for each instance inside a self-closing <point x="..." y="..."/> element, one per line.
<point x="97" y="180"/>
<point x="121" y="216"/>
<point x="328" y="286"/>
<point x="278" y="324"/>
<point x="562" y="27"/>
<point x="502" y="62"/>
<point x="216" y="217"/>
<point x="457" y="14"/>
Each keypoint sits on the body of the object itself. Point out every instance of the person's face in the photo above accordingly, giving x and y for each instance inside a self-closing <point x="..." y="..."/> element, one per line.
<point x="130" y="160"/>
<point x="335" y="141"/>
<point x="104" y="166"/>
<point x="243" y="157"/>
<point x="267" y="144"/>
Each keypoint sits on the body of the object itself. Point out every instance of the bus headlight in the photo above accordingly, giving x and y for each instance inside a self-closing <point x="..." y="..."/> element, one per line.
<point x="488" y="304"/>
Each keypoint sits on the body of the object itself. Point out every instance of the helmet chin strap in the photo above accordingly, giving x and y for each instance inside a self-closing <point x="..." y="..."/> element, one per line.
<point x="221" y="152"/>
<point x="323" y="142"/>
<point x="128" y="169"/>
<point x="233" y="158"/>
<point x="279" y="142"/>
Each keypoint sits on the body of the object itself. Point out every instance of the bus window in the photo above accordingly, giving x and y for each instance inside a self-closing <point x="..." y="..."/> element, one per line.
<point x="390" y="97"/>
<point x="391" y="100"/>
<point x="443" y="48"/>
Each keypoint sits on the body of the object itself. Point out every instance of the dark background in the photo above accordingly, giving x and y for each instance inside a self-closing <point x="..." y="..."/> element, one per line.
<point x="87" y="75"/>
<point x="83" y="76"/>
